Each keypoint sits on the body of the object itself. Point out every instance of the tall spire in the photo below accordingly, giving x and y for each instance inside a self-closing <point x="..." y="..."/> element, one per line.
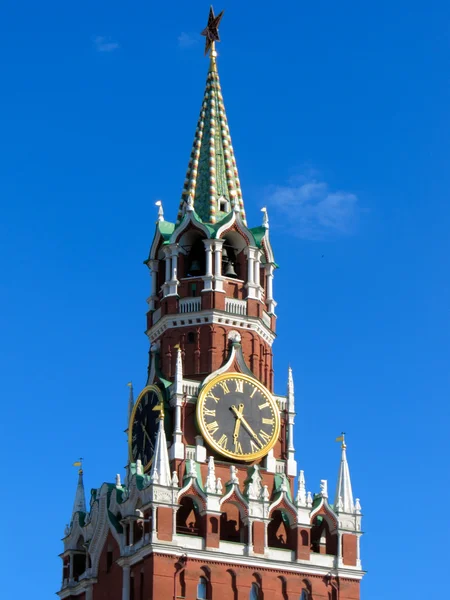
<point x="212" y="180"/>
<point x="79" y="504"/>
<point x="160" y="471"/>
<point x="343" y="501"/>
<point x="130" y="401"/>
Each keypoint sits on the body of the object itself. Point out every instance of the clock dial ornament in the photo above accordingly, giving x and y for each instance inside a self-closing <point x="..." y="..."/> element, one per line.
<point x="143" y="426"/>
<point x="238" y="417"/>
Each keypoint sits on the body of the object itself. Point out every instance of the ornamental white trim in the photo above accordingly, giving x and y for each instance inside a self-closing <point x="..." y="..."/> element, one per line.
<point x="211" y="316"/>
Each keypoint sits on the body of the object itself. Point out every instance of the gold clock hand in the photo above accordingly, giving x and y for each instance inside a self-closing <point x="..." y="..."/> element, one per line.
<point x="246" y="424"/>
<point x="238" y="413"/>
<point x="145" y="433"/>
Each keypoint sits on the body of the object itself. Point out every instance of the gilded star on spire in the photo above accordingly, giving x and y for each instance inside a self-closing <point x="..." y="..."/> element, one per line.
<point x="211" y="31"/>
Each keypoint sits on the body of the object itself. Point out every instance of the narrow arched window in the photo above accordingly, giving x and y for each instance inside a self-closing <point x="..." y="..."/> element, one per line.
<point x="254" y="592"/>
<point x="202" y="589"/>
<point x="304" y="595"/>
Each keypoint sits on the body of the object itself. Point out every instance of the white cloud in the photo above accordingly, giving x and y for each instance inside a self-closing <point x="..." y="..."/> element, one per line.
<point x="187" y="40"/>
<point x="313" y="210"/>
<point x="104" y="44"/>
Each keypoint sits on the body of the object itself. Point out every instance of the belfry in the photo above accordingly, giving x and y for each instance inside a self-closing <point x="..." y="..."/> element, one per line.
<point x="213" y="504"/>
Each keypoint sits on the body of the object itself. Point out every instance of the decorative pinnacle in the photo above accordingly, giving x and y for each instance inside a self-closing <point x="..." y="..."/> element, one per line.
<point x="341" y="438"/>
<point x="211" y="32"/>
<point x="160" y="210"/>
<point x="79" y="463"/>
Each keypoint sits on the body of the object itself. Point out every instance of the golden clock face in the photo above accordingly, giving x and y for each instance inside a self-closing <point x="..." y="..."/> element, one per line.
<point x="143" y="426"/>
<point x="238" y="416"/>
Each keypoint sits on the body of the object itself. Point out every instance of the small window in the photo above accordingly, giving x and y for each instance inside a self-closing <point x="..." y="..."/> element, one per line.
<point x="254" y="592"/>
<point x="304" y="595"/>
<point x="191" y="337"/>
<point x="223" y="205"/>
<point x="109" y="560"/>
<point x="202" y="588"/>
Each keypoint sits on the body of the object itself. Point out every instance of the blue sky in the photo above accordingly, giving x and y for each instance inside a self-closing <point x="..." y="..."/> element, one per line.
<point x="340" y="123"/>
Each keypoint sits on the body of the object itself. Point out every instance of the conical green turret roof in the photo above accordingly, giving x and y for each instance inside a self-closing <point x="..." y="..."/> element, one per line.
<point x="212" y="179"/>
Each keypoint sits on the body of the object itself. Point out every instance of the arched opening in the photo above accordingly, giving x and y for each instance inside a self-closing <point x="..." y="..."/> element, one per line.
<point x="283" y="588"/>
<point x="191" y="337"/>
<point x="304" y="537"/>
<point x="322" y="541"/>
<point x="192" y="260"/>
<point x="214" y="525"/>
<point x="232" y="575"/>
<point x="188" y="518"/>
<point x="232" y="528"/>
<point x="306" y="590"/>
<point x="233" y="259"/>
<point x="279" y="533"/>
<point x="202" y="589"/>
<point x="79" y="558"/>
<point x="256" y="589"/>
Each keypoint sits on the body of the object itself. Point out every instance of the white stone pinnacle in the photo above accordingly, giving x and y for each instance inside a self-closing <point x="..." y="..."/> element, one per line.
<point x="161" y="465"/>
<point x="179" y="373"/>
<point x="324" y="488"/>
<point x="301" y="493"/>
<point x="160" y="210"/>
<point x="211" y="477"/>
<point x="79" y="504"/>
<point x="344" y="486"/>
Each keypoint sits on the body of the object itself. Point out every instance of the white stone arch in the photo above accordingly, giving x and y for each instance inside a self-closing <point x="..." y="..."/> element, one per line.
<point x="189" y="219"/>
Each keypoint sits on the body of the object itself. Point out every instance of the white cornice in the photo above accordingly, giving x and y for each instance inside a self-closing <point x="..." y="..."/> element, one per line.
<point x="216" y="317"/>
<point x="214" y="555"/>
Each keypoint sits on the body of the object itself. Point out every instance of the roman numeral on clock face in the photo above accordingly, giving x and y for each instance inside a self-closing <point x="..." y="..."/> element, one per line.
<point x="212" y="427"/>
<point x="224" y="386"/>
<point x="223" y="441"/>
<point x="254" y="447"/>
<point x="264" y="435"/>
<point x="268" y="421"/>
<point x="239" y="386"/>
<point x="265" y="405"/>
<point x="209" y="412"/>
<point x="211" y="395"/>
<point x="237" y="447"/>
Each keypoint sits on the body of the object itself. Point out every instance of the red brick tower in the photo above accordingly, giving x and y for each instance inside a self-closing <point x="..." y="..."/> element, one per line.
<point x="208" y="509"/>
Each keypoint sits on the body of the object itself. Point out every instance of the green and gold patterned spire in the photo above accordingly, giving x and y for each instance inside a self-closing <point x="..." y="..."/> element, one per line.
<point x="212" y="182"/>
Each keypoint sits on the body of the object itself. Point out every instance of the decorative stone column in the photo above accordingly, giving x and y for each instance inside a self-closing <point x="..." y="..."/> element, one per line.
<point x="218" y="279"/>
<point x="270" y="302"/>
<point x="71" y="566"/>
<point x="125" y="582"/>
<point x="172" y="284"/>
<point x="176" y="401"/>
<point x="208" y="278"/>
<point x="252" y="288"/>
<point x="257" y="277"/>
<point x="168" y="260"/>
<point x="154" y="267"/>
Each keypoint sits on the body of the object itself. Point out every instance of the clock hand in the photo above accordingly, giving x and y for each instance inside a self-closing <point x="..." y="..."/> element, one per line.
<point x="238" y="413"/>
<point x="146" y="434"/>
<point x="245" y="423"/>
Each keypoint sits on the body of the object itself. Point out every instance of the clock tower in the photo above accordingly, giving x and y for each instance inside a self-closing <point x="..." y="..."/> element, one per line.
<point x="212" y="505"/>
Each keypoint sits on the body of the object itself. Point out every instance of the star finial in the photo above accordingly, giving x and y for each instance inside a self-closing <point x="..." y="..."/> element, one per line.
<point x="211" y="31"/>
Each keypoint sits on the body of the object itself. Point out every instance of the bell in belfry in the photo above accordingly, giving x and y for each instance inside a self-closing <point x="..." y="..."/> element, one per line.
<point x="229" y="270"/>
<point x="195" y="267"/>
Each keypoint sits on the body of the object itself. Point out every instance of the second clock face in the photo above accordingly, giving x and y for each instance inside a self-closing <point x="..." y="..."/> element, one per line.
<point x="238" y="416"/>
<point x="143" y="426"/>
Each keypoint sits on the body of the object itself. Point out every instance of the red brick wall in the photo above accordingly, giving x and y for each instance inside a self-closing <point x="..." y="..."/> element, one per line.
<point x="109" y="582"/>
